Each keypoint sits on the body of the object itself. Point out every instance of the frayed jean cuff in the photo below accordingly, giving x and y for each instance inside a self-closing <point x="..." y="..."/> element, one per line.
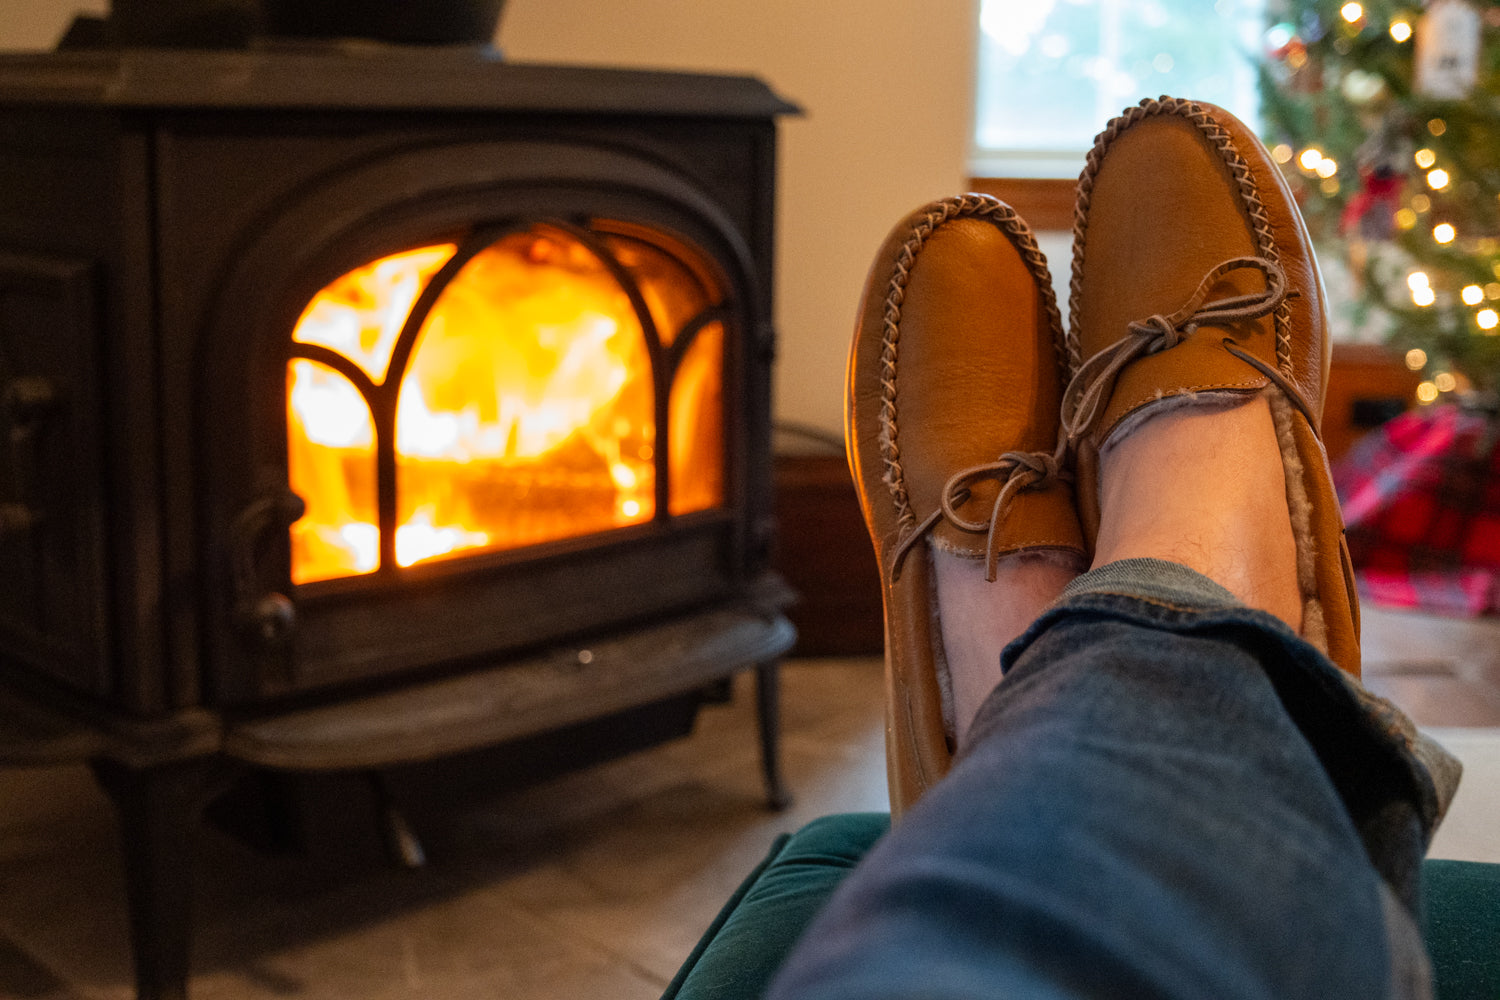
<point x="1396" y="782"/>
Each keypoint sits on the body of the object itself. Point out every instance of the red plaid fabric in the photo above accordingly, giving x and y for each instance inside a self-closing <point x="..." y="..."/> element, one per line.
<point x="1421" y="500"/>
<point x="1464" y="593"/>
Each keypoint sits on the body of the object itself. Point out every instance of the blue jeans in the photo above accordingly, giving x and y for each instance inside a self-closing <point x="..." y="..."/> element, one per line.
<point x="1169" y="795"/>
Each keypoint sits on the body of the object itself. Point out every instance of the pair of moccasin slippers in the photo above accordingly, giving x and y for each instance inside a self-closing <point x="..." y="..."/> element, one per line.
<point x="974" y="422"/>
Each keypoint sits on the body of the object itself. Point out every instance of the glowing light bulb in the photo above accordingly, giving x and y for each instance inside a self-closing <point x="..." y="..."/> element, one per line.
<point x="1426" y="393"/>
<point x="1423" y="296"/>
<point x="1444" y="232"/>
<point x="1416" y="359"/>
<point x="1352" y="12"/>
<point x="1282" y="153"/>
<point x="1437" y="179"/>
<point x="1487" y="319"/>
<point x="1400" y="30"/>
<point x="1420" y="202"/>
<point x="1425" y="158"/>
<point x="1437" y="126"/>
<point x="1405" y="218"/>
<point x="1472" y="295"/>
<point x="1445" y="381"/>
<point x="1418" y="279"/>
<point x="1310" y="158"/>
<point x="1326" y="167"/>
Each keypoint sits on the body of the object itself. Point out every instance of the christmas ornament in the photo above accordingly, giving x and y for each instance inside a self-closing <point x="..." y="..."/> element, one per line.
<point x="1361" y="88"/>
<point x="1283" y="45"/>
<point x="1447" y="57"/>
<point x="1312" y="28"/>
<point x="1279" y="39"/>
<point x="1383" y="160"/>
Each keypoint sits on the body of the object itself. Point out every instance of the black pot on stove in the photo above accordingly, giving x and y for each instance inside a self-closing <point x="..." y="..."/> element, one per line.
<point x="218" y="24"/>
<point x="430" y="22"/>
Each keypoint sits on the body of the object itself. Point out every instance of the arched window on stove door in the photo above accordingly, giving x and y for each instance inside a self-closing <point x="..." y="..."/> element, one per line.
<point x="503" y="392"/>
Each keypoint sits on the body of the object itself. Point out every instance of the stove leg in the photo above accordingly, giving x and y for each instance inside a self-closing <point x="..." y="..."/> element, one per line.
<point x="768" y="712"/>
<point x="158" y="809"/>
<point x="402" y="846"/>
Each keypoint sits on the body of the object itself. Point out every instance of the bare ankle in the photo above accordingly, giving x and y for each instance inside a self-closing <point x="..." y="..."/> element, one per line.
<point x="979" y="618"/>
<point x="1205" y="487"/>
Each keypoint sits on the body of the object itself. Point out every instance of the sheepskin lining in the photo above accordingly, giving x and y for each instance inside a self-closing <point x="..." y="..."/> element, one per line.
<point x="1299" y="505"/>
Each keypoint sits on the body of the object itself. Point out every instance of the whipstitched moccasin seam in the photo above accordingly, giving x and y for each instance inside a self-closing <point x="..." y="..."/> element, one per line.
<point x="1194" y="211"/>
<point x="954" y="382"/>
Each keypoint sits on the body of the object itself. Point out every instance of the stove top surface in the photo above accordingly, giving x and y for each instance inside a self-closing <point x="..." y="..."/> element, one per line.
<point x="366" y="76"/>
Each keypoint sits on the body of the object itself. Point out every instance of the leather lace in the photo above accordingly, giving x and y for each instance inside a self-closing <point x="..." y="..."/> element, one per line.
<point x="1088" y="392"/>
<point x="1087" y="396"/>
<point x="1018" y="471"/>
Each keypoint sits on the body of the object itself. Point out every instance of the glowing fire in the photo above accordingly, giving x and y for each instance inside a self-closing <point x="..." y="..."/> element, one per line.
<point x="525" y="413"/>
<point x="361" y="314"/>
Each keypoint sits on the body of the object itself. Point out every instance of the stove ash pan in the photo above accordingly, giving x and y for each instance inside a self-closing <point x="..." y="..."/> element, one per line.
<point x="323" y="372"/>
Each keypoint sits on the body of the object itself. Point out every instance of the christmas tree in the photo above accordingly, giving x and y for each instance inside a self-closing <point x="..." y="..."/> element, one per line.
<point x="1386" y="119"/>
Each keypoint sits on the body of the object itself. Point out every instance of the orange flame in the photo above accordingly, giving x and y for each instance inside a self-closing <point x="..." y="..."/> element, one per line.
<point x="525" y="413"/>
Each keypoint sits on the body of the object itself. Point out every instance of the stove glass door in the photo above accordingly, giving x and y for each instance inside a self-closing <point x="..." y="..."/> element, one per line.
<point x="503" y="391"/>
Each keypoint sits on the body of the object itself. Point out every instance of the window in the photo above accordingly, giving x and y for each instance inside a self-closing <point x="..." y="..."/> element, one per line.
<point x="1052" y="72"/>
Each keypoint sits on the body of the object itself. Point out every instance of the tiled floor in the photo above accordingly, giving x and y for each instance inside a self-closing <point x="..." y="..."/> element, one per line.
<point x="1442" y="671"/>
<point x="1445" y="673"/>
<point x="594" y="885"/>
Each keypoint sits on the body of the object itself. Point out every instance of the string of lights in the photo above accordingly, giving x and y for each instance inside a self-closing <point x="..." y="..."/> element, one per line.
<point x="1385" y="118"/>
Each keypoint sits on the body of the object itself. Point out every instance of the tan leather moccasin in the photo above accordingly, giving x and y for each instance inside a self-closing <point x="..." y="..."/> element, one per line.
<point x="951" y="420"/>
<point x="1193" y="274"/>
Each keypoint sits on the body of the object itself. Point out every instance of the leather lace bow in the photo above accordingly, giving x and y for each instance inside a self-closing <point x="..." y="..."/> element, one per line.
<point x="1017" y="471"/>
<point x="1087" y="396"/>
<point x="1088" y="392"/>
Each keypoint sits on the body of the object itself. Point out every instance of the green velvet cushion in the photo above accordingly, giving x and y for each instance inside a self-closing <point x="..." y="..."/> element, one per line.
<point x="1461" y="924"/>
<point x="747" y="942"/>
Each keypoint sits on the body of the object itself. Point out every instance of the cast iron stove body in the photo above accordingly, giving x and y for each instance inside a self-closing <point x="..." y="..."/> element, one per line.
<point x="187" y="240"/>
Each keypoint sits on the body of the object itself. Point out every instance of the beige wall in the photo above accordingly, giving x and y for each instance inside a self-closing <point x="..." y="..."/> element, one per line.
<point x="38" y="24"/>
<point x="886" y="85"/>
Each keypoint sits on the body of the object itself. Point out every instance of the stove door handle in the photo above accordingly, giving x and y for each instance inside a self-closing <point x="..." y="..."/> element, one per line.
<point x="264" y="615"/>
<point x="28" y="403"/>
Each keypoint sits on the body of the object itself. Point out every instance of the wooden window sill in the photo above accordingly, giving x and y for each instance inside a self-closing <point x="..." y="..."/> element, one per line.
<point x="1043" y="203"/>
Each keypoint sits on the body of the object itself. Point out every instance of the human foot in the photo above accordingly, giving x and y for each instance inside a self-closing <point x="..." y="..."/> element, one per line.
<point x="955" y="379"/>
<point x="1194" y="284"/>
<point x="980" y="617"/>
<point x="1202" y="486"/>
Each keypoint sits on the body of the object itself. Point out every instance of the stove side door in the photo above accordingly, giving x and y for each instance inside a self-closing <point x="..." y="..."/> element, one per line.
<point x="52" y="608"/>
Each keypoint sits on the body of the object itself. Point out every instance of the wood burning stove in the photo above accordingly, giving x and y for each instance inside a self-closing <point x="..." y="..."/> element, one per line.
<point x="367" y="405"/>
